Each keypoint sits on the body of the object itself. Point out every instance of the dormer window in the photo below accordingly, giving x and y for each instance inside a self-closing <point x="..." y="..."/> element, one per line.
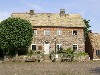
<point x="74" y="32"/>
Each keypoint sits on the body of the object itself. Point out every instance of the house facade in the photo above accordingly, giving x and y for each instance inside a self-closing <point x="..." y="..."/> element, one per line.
<point x="53" y="31"/>
<point x="93" y="45"/>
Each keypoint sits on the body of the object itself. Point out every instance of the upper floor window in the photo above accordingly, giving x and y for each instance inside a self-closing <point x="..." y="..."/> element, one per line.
<point x="59" y="32"/>
<point x="75" y="47"/>
<point x="35" y="31"/>
<point x="46" y="32"/>
<point x="74" y="32"/>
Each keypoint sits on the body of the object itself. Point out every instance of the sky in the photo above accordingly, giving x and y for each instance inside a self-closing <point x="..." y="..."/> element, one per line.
<point x="89" y="9"/>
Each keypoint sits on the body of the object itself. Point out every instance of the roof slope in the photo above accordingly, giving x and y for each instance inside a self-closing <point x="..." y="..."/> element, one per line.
<point x="52" y="19"/>
<point x="95" y="40"/>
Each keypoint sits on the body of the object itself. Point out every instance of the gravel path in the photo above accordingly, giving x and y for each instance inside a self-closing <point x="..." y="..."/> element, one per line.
<point x="50" y="68"/>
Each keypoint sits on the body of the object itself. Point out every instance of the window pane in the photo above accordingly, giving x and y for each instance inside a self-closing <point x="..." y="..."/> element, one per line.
<point x="35" y="31"/>
<point x="46" y="32"/>
<point x="33" y="47"/>
<point x="59" y="47"/>
<point x="74" y="32"/>
<point x="98" y="52"/>
<point x="59" y="32"/>
<point x="74" y="47"/>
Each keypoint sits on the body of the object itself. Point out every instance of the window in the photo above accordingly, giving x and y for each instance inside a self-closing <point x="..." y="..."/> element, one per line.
<point x="46" y="32"/>
<point x="35" y="31"/>
<point x="98" y="52"/>
<point x="74" y="32"/>
<point x="59" y="32"/>
<point x="59" y="46"/>
<point x="33" y="47"/>
<point x="75" y="47"/>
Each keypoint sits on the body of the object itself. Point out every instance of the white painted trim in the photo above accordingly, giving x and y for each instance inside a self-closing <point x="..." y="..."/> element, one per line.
<point x="59" y="45"/>
<point x="59" y="32"/>
<point x="36" y="32"/>
<point x="96" y="59"/>
<point x="44" y="31"/>
<point x="77" y="45"/>
<point x="72" y="32"/>
<point x="31" y="45"/>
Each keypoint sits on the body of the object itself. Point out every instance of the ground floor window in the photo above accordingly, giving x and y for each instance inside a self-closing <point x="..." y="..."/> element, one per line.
<point x="75" y="47"/>
<point x="33" y="46"/>
<point x="98" y="52"/>
<point x="59" y="46"/>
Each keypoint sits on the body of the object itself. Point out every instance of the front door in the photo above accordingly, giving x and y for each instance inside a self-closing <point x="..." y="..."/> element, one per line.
<point x="46" y="48"/>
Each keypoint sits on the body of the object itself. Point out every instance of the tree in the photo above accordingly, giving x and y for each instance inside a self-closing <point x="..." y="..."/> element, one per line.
<point x="15" y="33"/>
<point x="86" y="29"/>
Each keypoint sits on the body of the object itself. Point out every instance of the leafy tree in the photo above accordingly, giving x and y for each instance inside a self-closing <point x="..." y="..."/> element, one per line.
<point x="15" y="33"/>
<point x="86" y="29"/>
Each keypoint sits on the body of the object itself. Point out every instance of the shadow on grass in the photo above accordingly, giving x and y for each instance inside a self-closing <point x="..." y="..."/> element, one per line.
<point x="96" y="70"/>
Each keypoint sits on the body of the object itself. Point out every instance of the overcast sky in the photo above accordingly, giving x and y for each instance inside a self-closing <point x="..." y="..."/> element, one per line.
<point x="89" y="9"/>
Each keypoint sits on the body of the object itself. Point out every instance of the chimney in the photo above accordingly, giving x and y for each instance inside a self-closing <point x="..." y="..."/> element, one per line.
<point x="62" y="12"/>
<point x="31" y="12"/>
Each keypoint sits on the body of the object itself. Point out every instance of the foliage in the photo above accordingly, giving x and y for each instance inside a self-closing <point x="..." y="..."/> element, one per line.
<point x="69" y="52"/>
<point x="80" y="53"/>
<point x="60" y="50"/>
<point x="30" y="53"/>
<point x="86" y="29"/>
<point x="15" y="33"/>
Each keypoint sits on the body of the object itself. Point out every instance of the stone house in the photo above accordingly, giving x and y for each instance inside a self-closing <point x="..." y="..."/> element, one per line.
<point x="53" y="31"/>
<point x="93" y="45"/>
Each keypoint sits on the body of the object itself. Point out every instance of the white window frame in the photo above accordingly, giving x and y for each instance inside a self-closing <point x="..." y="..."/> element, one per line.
<point x="60" y="45"/>
<point x="59" y="32"/>
<point x="77" y="45"/>
<point x="35" y="31"/>
<point x="73" y="32"/>
<point x="31" y="46"/>
<point x="45" y="31"/>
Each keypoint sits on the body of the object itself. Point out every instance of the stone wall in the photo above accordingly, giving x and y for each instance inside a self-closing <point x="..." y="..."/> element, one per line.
<point x="66" y="39"/>
<point x="92" y="44"/>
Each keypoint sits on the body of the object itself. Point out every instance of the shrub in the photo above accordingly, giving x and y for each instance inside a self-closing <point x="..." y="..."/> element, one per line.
<point x="30" y="53"/>
<point x="80" y="53"/>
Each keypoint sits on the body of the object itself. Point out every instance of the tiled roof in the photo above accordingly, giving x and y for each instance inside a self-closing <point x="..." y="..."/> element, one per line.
<point x="95" y="40"/>
<point x="52" y="19"/>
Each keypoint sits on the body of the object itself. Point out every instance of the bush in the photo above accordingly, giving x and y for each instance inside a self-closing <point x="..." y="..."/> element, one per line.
<point x="30" y="53"/>
<point x="80" y="53"/>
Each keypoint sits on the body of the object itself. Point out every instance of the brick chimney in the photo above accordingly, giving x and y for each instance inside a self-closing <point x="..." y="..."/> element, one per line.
<point x="62" y="12"/>
<point x="31" y="12"/>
